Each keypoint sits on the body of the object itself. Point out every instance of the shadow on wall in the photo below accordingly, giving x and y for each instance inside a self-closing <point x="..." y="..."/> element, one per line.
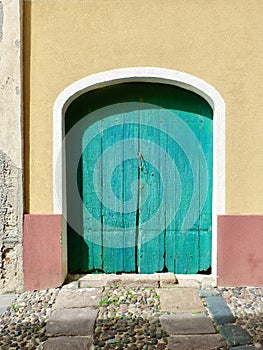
<point x="26" y="88"/>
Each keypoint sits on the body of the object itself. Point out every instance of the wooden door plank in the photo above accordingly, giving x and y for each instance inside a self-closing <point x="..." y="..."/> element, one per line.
<point x="183" y="227"/>
<point x="130" y="194"/>
<point x="205" y="224"/>
<point x="186" y="252"/>
<point x="151" y="219"/>
<point x="190" y="227"/>
<point x="171" y="186"/>
<point x="92" y="209"/>
<point x="205" y="250"/>
<point x="112" y="193"/>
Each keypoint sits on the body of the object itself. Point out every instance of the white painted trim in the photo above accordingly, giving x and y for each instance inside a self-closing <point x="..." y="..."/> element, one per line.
<point x="148" y="74"/>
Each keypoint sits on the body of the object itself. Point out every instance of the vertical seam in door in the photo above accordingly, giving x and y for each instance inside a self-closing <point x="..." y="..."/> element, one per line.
<point x="123" y="190"/>
<point x="101" y="205"/>
<point x="138" y="200"/>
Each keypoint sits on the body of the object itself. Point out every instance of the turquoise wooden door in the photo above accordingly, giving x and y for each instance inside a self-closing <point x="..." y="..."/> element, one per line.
<point x="146" y="182"/>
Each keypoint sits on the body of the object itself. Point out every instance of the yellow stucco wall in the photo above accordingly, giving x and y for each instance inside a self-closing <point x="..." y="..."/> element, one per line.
<point x="219" y="41"/>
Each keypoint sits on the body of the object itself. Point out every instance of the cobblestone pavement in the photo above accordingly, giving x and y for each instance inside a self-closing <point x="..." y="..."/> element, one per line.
<point x="128" y="317"/>
<point x="247" y="305"/>
<point x="22" y="325"/>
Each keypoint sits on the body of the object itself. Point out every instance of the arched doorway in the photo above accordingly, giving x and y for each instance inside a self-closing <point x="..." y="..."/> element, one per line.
<point x="152" y="75"/>
<point x="144" y="153"/>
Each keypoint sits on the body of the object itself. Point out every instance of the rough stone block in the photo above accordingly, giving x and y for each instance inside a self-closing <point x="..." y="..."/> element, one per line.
<point x="127" y="280"/>
<point x="72" y="322"/>
<point x="68" y="343"/>
<point x="135" y="280"/>
<point x="184" y="281"/>
<point x="167" y="279"/>
<point x="187" y="324"/>
<point x="194" y="342"/>
<point x="114" y="280"/>
<point x="72" y="285"/>
<point x="235" y="335"/>
<point x="219" y="310"/>
<point x="93" y="281"/>
<point x="180" y="300"/>
<point x="69" y="299"/>
<point x="208" y="282"/>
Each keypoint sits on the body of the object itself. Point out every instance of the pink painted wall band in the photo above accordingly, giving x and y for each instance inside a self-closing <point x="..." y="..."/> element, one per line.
<point x="42" y="252"/>
<point x="240" y="257"/>
<point x="240" y="250"/>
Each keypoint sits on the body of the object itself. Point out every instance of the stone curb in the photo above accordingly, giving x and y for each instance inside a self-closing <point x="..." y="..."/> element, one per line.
<point x="155" y="280"/>
<point x="235" y="335"/>
<point x="219" y="310"/>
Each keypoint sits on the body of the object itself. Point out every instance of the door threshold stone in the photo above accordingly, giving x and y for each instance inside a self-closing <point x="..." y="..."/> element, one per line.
<point x="155" y="280"/>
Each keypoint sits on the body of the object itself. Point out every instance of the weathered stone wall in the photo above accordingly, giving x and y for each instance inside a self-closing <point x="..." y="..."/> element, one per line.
<point x="10" y="225"/>
<point x="11" y="194"/>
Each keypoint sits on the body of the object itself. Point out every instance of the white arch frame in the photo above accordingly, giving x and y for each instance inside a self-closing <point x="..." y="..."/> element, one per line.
<point x="157" y="75"/>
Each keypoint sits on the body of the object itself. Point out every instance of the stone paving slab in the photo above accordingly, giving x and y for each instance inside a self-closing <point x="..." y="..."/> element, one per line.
<point x="196" y="342"/>
<point x="72" y="322"/>
<point x="180" y="300"/>
<point x="80" y="298"/>
<point x="68" y="343"/>
<point x="219" y="310"/>
<point x="5" y="301"/>
<point x="2" y="309"/>
<point x="235" y="335"/>
<point x="187" y="324"/>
